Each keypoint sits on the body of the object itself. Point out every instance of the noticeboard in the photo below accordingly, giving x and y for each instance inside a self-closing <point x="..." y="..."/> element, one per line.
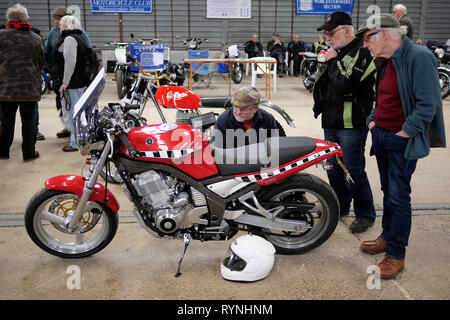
<point x="150" y="56"/>
<point x="122" y="6"/>
<point x="323" y="7"/>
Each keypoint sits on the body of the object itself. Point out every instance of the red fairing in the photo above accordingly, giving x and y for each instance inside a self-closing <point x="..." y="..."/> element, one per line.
<point x="324" y="150"/>
<point x="177" y="97"/>
<point x="177" y="144"/>
<point x="75" y="184"/>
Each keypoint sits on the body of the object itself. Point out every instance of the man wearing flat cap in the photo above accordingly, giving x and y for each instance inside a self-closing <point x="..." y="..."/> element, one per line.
<point x="344" y="95"/>
<point x="246" y="118"/>
<point x="407" y="120"/>
<point x="52" y="40"/>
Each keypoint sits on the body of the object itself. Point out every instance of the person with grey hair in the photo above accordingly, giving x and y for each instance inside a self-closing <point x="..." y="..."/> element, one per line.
<point x="52" y="38"/>
<point x="406" y="121"/>
<point x="21" y="60"/>
<point x="400" y="11"/>
<point x="68" y="57"/>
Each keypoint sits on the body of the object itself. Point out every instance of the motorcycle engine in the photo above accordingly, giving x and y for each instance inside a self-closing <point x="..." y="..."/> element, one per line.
<point x="170" y="205"/>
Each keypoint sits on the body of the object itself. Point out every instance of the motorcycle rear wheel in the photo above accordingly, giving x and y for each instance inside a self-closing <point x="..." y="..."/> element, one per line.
<point x="98" y="225"/>
<point x="322" y="220"/>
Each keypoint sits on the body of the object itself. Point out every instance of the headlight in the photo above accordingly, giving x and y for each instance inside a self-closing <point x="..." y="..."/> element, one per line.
<point x="321" y="58"/>
<point x="440" y="53"/>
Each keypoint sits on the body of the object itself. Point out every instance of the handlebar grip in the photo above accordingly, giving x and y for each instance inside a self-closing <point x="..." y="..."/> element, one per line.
<point x="123" y="138"/>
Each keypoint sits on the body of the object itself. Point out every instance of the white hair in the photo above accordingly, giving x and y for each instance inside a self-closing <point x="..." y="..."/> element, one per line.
<point x="401" y="7"/>
<point x="70" y="23"/>
<point x="17" y="12"/>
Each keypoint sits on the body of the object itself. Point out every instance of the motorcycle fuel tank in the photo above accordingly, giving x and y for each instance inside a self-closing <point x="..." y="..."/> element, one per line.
<point x="176" y="144"/>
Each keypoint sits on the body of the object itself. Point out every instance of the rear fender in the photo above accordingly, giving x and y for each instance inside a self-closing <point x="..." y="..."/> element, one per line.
<point x="75" y="184"/>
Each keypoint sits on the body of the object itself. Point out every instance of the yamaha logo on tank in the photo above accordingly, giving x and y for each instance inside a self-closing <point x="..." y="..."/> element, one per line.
<point x="149" y="141"/>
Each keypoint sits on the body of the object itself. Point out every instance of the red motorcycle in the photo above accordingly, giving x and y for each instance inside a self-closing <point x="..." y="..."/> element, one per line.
<point x="182" y="186"/>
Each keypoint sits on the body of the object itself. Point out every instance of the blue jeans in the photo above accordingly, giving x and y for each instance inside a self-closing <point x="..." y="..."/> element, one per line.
<point x="395" y="177"/>
<point x="70" y="98"/>
<point x="353" y="143"/>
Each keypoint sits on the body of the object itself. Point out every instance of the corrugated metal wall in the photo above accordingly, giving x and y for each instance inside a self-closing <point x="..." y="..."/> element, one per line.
<point x="184" y="18"/>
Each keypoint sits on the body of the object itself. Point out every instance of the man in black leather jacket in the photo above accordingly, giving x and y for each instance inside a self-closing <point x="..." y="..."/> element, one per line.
<point x="254" y="48"/>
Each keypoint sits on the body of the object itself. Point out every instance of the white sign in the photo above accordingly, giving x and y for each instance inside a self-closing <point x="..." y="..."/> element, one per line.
<point x="230" y="9"/>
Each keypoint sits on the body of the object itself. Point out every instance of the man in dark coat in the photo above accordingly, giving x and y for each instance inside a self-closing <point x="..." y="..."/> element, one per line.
<point x="21" y="61"/>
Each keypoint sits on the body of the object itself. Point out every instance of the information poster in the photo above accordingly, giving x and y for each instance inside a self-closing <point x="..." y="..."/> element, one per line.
<point x="323" y="7"/>
<point x="122" y="6"/>
<point x="229" y="9"/>
<point x="150" y="56"/>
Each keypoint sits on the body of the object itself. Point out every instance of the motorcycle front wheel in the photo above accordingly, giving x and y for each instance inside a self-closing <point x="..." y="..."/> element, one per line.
<point x="321" y="218"/>
<point x="236" y="73"/>
<point x="96" y="229"/>
<point x="444" y="82"/>
<point x="121" y="83"/>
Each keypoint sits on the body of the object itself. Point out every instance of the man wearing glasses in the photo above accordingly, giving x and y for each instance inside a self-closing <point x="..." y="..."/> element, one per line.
<point x="344" y="95"/>
<point x="244" y="123"/>
<point x="405" y="122"/>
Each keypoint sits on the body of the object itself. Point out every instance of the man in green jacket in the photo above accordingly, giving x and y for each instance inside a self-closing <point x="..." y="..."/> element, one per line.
<point x="405" y="122"/>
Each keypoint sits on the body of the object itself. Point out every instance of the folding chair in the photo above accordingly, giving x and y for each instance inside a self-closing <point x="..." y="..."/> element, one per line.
<point x="204" y="70"/>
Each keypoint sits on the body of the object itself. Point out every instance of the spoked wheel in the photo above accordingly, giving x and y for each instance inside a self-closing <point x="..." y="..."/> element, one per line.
<point x="236" y="73"/>
<point x="94" y="232"/>
<point x="444" y="82"/>
<point x="321" y="217"/>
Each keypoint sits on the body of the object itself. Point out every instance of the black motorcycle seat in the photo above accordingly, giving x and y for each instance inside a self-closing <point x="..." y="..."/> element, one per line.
<point x="273" y="152"/>
<point x="217" y="102"/>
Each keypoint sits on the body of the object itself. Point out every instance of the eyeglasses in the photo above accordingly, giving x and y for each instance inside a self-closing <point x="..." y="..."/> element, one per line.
<point x="368" y="35"/>
<point x="247" y="108"/>
<point x="331" y="34"/>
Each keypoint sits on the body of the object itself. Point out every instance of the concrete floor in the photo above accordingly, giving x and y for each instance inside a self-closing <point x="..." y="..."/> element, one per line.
<point x="135" y="265"/>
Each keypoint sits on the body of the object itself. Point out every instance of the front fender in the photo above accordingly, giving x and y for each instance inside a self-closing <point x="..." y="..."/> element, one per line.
<point x="75" y="184"/>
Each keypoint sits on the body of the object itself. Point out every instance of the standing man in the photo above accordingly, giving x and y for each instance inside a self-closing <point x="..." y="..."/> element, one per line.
<point x="344" y="95"/>
<point x="254" y="48"/>
<point x="296" y="50"/>
<point x="400" y="12"/>
<point x="21" y="61"/>
<point x="277" y="50"/>
<point x="407" y="119"/>
<point x="52" y="39"/>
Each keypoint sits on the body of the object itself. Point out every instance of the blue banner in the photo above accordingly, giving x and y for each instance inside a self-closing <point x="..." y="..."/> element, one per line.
<point x="323" y="7"/>
<point x="150" y="56"/>
<point x="122" y="6"/>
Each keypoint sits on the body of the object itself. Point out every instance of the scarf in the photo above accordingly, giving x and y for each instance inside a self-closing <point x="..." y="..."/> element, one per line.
<point x="21" y="24"/>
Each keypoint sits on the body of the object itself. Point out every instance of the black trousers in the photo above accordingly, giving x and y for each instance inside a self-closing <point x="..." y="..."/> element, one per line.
<point x="297" y="60"/>
<point x="8" y="120"/>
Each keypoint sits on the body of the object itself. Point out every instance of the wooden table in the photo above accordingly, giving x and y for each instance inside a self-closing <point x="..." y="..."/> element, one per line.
<point x="230" y="62"/>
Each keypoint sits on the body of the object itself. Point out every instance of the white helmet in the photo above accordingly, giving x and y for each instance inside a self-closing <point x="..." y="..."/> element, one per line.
<point x="250" y="258"/>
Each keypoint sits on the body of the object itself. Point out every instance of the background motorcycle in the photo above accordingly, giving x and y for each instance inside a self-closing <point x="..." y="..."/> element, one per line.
<point x="191" y="44"/>
<point x="237" y="69"/>
<point x="176" y="196"/>
<point x="443" y="57"/>
<point x="124" y="77"/>
<point x="311" y="67"/>
<point x="46" y="81"/>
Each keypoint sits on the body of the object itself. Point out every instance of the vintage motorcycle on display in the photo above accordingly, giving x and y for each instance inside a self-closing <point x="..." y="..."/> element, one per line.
<point x="182" y="187"/>
<point x="443" y="66"/>
<point x="311" y="67"/>
<point x="124" y="77"/>
<point x="237" y="69"/>
<point x="191" y="44"/>
<point x="145" y="88"/>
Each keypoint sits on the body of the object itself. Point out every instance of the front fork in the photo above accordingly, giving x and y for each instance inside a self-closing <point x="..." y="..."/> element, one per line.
<point x="71" y="220"/>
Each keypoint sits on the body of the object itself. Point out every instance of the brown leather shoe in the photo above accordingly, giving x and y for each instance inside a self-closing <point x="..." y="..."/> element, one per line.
<point x="390" y="267"/>
<point x="376" y="246"/>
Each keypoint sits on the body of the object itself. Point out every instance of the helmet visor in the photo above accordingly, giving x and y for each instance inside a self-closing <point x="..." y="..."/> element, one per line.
<point x="233" y="262"/>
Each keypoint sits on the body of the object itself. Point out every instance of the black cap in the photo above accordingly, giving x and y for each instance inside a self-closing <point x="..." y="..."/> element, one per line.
<point x="337" y="18"/>
<point x="276" y="34"/>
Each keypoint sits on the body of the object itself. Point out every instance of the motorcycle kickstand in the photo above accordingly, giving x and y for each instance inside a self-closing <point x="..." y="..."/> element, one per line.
<point x="186" y="241"/>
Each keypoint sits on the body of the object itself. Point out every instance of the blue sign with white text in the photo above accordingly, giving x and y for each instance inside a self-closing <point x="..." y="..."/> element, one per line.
<point x="122" y="6"/>
<point x="150" y="56"/>
<point x="325" y="7"/>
